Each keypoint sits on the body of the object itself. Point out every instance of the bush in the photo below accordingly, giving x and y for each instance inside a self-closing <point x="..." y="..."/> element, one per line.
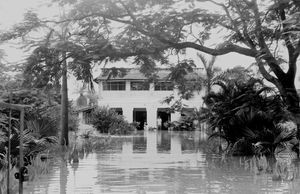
<point x="246" y="115"/>
<point x="184" y="124"/>
<point x="106" y="120"/>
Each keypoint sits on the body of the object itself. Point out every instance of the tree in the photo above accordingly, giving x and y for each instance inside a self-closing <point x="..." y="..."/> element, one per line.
<point x="48" y="61"/>
<point x="253" y="28"/>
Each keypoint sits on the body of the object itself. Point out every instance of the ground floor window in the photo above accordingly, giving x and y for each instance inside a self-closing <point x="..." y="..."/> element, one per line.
<point x="118" y="110"/>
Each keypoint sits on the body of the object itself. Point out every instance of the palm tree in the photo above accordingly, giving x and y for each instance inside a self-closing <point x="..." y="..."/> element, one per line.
<point x="210" y="71"/>
<point x="32" y="143"/>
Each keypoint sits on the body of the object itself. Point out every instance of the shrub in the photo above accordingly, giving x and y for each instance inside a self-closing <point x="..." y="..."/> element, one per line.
<point x="246" y="115"/>
<point x="106" y="120"/>
<point x="184" y="124"/>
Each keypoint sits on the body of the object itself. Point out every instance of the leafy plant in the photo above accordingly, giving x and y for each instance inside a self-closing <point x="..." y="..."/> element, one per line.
<point x="246" y="115"/>
<point x="32" y="143"/>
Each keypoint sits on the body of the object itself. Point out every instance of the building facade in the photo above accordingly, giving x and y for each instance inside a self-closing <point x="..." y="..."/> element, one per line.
<point x="139" y="100"/>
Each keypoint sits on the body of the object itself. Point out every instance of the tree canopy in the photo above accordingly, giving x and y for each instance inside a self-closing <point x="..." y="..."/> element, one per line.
<point x="262" y="29"/>
<point x="148" y="30"/>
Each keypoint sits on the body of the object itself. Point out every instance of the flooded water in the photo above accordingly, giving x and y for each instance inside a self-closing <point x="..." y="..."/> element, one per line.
<point x="163" y="162"/>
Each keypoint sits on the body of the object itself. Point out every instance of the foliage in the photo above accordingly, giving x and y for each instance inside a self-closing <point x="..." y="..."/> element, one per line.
<point x="42" y="114"/>
<point x="184" y="124"/>
<point x="42" y="69"/>
<point x="31" y="144"/>
<point x="101" y="30"/>
<point x="258" y="29"/>
<point x="53" y="113"/>
<point x="106" y="120"/>
<point x="246" y="114"/>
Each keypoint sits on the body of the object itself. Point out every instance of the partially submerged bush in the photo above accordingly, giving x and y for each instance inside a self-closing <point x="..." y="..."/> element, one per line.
<point x="246" y="115"/>
<point x="106" y="120"/>
<point x="184" y="124"/>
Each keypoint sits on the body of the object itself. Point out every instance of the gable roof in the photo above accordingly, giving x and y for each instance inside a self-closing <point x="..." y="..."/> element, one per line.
<point x="135" y="74"/>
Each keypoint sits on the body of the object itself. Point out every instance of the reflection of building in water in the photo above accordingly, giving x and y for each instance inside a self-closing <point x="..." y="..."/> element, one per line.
<point x="139" y="144"/>
<point x="175" y="144"/>
<point x="154" y="142"/>
<point x="127" y="147"/>
<point x="163" y="141"/>
<point x="151" y="143"/>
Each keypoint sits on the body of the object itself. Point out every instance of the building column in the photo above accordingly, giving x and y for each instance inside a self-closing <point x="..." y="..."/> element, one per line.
<point x="151" y="116"/>
<point x="100" y="89"/>
<point x="128" y="114"/>
<point x="127" y="85"/>
<point x="175" y="116"/>
<point x="151" y="87"/>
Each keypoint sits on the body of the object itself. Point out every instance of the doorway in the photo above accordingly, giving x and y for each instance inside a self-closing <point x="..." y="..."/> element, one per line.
<point x="165" y="116"/>
<point x="140" y="116"/>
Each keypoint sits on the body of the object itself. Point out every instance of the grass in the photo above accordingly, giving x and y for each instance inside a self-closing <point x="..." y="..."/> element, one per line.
<point x="13" y="182"/>
<point x="39" y="167"/>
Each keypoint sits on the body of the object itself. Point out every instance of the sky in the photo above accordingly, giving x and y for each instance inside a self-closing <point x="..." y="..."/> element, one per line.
<point x="11" y="12"/>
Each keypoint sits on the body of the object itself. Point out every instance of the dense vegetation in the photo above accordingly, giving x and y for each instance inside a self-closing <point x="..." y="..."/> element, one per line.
<point x="250" y="117"/>
<point x="41" y="124"/>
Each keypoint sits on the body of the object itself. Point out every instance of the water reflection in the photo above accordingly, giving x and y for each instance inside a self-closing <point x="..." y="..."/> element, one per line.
<point x="162" y="162"/>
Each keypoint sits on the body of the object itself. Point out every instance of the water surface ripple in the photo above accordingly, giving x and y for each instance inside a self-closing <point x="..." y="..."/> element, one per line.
<point x="161" y="162"/>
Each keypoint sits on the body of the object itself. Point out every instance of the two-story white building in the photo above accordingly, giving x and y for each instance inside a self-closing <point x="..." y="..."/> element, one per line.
<point x="139" y="100"/>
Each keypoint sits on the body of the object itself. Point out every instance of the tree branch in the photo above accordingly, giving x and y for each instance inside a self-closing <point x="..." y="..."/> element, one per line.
<point x="265" y="51"/>
<point x="285" y="35"/>
<point x="293" y="62"/>
<point x="218" y="51"/>
<point x="265" y="73"/>
<point x="245" y="30"/>
<point x="235" y="27"/>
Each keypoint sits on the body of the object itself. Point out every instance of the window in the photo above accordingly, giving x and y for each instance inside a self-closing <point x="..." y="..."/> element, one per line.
<point x="119" y="111"/>
<point x="139" y="85"/>
<point x="113" y="85"/>
<point x="161" y="86"/>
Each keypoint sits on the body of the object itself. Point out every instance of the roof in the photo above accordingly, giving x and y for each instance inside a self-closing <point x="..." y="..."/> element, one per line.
<point x="135" y="74"/>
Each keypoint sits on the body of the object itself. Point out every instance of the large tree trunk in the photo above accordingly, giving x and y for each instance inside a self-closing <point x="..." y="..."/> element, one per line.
<point x="290" y="96"/>
<point x="64" y="139"/>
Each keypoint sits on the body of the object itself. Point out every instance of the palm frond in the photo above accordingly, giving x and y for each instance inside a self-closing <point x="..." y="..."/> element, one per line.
<point x="285" y="136"/>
